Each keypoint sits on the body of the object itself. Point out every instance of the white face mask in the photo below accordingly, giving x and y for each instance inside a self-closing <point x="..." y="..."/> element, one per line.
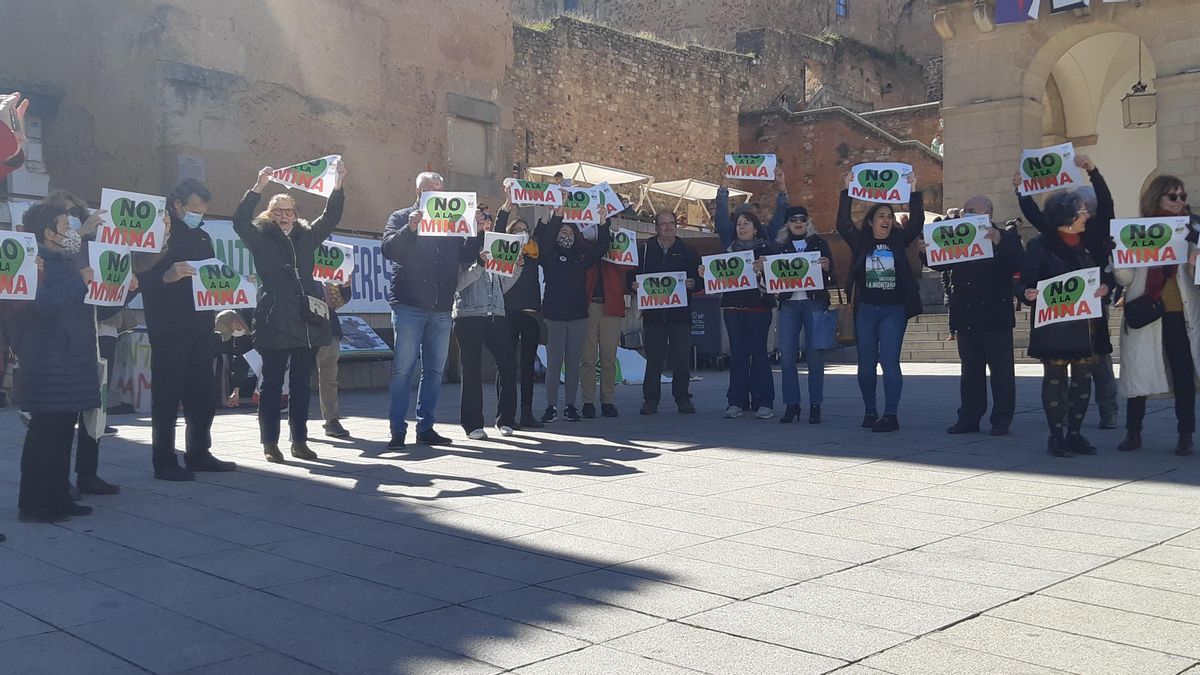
<point x="238" y="332"/>
<point x="74" y="222"/>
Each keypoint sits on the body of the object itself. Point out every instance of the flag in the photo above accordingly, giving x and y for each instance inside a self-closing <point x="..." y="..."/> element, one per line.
<point x="1016" y="11"/>
<point x="1067" y="5"/>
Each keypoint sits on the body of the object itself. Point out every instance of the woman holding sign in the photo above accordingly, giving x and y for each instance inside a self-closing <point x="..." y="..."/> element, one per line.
<point x="522" y="304"/>
<point x="291" y="321"/>
<point x="883" y="290"/>
<point x="1160" y="357"/>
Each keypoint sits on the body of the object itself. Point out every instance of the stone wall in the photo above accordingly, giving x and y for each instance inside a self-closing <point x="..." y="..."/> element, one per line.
<point x="918" y="122"/>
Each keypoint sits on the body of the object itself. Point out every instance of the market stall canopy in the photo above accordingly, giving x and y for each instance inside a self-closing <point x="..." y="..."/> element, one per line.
<point x="673" y="194"/>
<point x="929" y="215"/>
<point x="586" y="172"/>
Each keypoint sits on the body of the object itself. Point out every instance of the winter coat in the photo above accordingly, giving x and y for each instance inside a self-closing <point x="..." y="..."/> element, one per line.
<point x="653" y="260"/>
<point x="814" y="243"/>
<point x="1047" y="256"/>
<point x="481" y="293"/>
<point x="614" y="286"/>
<point x="981" y="296"/>
<point x="566" y="271"/>
<point x="862" y="243"/>
<point x="424" y="269"/>
<point x="280" y="258"/>
<point x="750" y="298"/>
<point x="169" y="308"/>
<point x="1143" y="360"/>
<point x="525" y="294"/>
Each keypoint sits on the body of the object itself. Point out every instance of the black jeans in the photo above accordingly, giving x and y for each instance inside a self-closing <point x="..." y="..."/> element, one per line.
<point x="87" y="452"/>
<point x="981" y="351"/>
<point x="663" y="340"/>
<point x="474" y="332"/>
<point x="46" y="461"/>
<point x="1065" y="399"/>
<point x="181" y="370"/>
<point x="1182" y="371"/>
<point x="275" y="364"/>
<point x="525" y="332"/>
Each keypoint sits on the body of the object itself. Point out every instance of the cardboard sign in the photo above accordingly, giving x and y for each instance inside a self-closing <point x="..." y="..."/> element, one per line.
<point x="728" y="272"/>
<point x="315" y="176"/>
<point x="447" y="214"/>
<point x="111" y="274"/>
<point x="1049" y="169"/>
<point x="582" y="206"/>
<point x="134" y="220"/>
<point x="662" y="290"/>
<point x="530" y="193"/>
<point x="18" y="265"/>
<point x="790" y="272"/>
<point x="1149" y="242"/>
<point x="622" y="249"/>
<point x="333" y="262"/>
<point x="503" y="251"/>
<point x="960" y="240"/>
<point x="750" y="167"/>
<point x="881" y="182"/>
<point x="610" y="199"/>
<point x="1068" y="297"/>
<point x="216" y="286"/>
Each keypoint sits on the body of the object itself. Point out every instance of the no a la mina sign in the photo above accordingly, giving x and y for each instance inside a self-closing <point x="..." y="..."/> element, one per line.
<point x="18" y="266"/>
<point x="789" y="272"/>
<point x="959" y="240"/>
<point x="447" y="214"/>
<point x="134" y="220"/>
<point x="316" y="176"/>
<point x="333" y="262"/>
<point x="216" y="286"/>
<point x="662" y="290"/>
<point x="1068" y="297"/>
<point x="750" y="167"/>
<point x="1149" y="242"/>
<point x="582" y="206"/>
<point x="503" y="251"/>
<point x="881" y="182"/>
<point x="111" y="274"/>
<point x="1049" y="169"/>
<point x="622" y="249"/>
<point x="728" y="272"/>
<point x="531" y="193"/>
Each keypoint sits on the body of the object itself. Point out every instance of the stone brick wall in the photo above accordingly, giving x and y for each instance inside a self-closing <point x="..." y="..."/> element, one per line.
<point x="918" y="122"/>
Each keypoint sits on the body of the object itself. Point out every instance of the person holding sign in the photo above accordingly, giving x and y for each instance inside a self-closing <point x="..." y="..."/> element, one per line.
<point x="883" y="290"/>
<point x="605" y="287"/>
<point x="292" y="320"/>
<point x="522" y="304"/>
<point x="1063" y="345"/>
<point x="1158" y="357"/>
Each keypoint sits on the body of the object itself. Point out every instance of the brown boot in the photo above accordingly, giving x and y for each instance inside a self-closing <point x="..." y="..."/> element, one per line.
<point x="1183" y="448"/>
<point x="271" y="450"/>
<point x="1133" y="441"/>
<point x="301" y="451"/>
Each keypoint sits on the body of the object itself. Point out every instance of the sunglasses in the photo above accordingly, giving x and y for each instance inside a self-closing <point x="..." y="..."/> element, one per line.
<point x="1176" y="196"/>
<point x="283" y="212"/>
<point x="798" y="219"/>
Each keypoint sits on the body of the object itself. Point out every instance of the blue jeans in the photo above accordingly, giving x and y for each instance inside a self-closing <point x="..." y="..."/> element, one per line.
<point x="880" y="331"/>
<point x="796" y="316"/>
<point x="424" y="334"/>
<point x="751" y="384"/>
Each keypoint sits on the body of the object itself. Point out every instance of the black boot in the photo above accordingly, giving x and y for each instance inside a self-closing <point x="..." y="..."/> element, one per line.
<point x="528" y="421"/>
<point x="1057" y="446"/>
<point x="1079" y="445"/>
<point x="790" y="414"/>
<point x="1133" y="441"/>
<point x="1183" y="447"/>
<point x="814" y="414"/>
<point x="870" y="419"/>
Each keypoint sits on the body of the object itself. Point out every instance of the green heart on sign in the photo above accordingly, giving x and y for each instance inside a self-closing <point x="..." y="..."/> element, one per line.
<point x="1064" y="292"/>
<point x="1152" y="236"/>
<point x="796" y="268"/>
<point x="133" y="216"/>
<point x="661" y="285"/>
<point x="1048" y="164"/>
<point x="114" y="268"/>
<point x="726" y="268"/>
<point x="12" y="256"/>
<point x="314" y="169"/>
<point x="442" y="208"/>
<point x="532" y="185"/>
<point x="956" y="235"/>
<point x="505" y="251"/>
<point x="330" y="257"/>
<point x="620" y="242"/>
<point x="576" y="199"/>
<point x="218" y="278"/>
<point x="749" y="160"/>
<point x="879" y="180"/>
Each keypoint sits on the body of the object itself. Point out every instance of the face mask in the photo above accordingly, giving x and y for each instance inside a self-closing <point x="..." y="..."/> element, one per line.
<point x="238" y="333"/>
<point x="193" y="219"/>
<point x="566" y="241"/>
<point x="74" y="222"/>
<point x="71" y="242"/>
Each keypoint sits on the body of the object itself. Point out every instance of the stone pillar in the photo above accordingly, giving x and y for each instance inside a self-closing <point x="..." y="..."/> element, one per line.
<point x="1179" y="126"/>
<point x="988" y="138"/>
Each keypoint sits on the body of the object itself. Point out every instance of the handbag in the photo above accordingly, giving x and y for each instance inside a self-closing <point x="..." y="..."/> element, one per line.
<point x="312" y="309"/>
<point x="1147" y="308"/>
<point x="845" y="320"/>
<point x="824" y="330"/>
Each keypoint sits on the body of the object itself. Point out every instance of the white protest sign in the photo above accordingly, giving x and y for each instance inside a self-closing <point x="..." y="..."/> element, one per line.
<point x="1149" y="242"/>
<point x="531" y="193"/>
<point x="1049" y="169"/>
<point x="610" y="199"/>
<point x="333" y="262"/>
<point x="316" y="176"/>
<point x="1068" y="297"/>
<point x="503" y="251"/>
<point x="18" y="266"/>
<point x="789" y="272"/>
<point x="728" y="272"/>
<point x="750" y="167"/>
<point x="447" y="214"/>
<point x="622" y="249"/>
<point x="134" y="220"/>
<point x="881" y="182"/>
<point x="959" y="240"/>
<point x="111" y="274"/>
<point x="216" y="286"/>
<point x="582" y="206"/>
<point x="662" y="290"/>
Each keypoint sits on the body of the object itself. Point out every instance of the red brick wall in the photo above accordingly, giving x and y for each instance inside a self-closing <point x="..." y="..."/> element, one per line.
<point x="918" y="123"/>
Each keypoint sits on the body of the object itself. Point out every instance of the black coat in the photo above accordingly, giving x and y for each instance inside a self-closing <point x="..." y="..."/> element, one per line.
<point x="170" y="309"/>
<point x="424" y="269"/>
<point x="861" y="243"/>
<point x="679" y="258"/>
<point x="526" y="293"/>
<point x="1047" y="256"/>
<point x="981" y="292"/>
<point x="280" y="259"/>
<point x="57" y="343"/>
<point x="817" y="244"/>
<point x="566" y="297"/>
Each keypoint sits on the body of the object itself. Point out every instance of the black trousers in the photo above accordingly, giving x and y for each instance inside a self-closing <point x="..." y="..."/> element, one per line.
<point x="1182" y="371"/>
<point x="181" y="371"/>
<point x="87" y="452"/>
<point x="981" y="351"/>
<point x="526" y="332"/>
<point x="494" y="332"/>
<point x="663" y="341"/>
<point x="275" y="364"/>
<point x="46" y="461"/>
<point x="1065" y="399"/>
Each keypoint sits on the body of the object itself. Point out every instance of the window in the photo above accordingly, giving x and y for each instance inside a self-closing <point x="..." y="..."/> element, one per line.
<point x="841" y="8"/>
<point x="468" y="146"/>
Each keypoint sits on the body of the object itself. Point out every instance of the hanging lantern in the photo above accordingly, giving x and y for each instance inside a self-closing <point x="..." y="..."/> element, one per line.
<point x="1139" y="107"/>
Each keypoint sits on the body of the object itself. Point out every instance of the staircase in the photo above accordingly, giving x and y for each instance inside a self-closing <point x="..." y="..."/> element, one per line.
<point x="926" y="340"/>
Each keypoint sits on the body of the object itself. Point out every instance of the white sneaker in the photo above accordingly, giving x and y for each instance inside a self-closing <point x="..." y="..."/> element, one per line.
<point x="732" y="412"/>
<point x="765" y="413"/>
<point x="505" y="431"/>
<point x="477" y="435"/>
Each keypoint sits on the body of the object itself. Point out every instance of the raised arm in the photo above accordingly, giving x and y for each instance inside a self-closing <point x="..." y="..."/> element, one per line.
<point x="779" y="217"/>
<point x="916" y="216"/>
<point x="400" y="233"/>
<point x="599" y="248"/>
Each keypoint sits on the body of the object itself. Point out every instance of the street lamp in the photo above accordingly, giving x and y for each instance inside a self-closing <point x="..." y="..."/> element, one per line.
<point x="1139" y="107"/>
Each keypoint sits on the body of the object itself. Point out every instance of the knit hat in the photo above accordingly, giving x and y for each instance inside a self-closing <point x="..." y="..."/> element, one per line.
<point x="796" y="211"/>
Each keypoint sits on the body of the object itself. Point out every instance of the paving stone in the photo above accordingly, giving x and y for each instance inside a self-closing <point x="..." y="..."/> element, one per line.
<point x="370" y="650"/>
<point x="436" y="580"/>
<point x="356" y="599"/>
<point x="905" y="616"/>
<point x="1017" y="554"/>
<point x="1098" y="526"/>
<point x="487" y="638"/>
<point x="920" y="588"/>
<point x="60" y="654"/>
<point x="163" y="641"/>
<point x="69" y="601"/>
<point x="706" y="576"/>
<point x="1128" y="597"/>
<point x="649" y="538"/>
<point x="686" y="521"/>
<point x="1175" y="556"/>
<point x="15" y="623"/>
<point x="1166" y="577"/>
<point x="267" y="620"/>
<point x="167" y="583"/>
<point x="798" y="541"/>
<point x="797" y="566"/>
<point x="970" y="495"/>
<point x="20" y="569"/>
<point x="259" y="663"/>
<point x="720" y="653"/>
<point x="571" y="615"/>
<point x="1078" y="542"/>
<point x="858" y="530"/>
<point x="969" y="570"/>
<point x="644" y="595"/>
<point x="251" y="567"/>
<point x="600" y="660"/>
<point x="917" y="520"/>
<point x="932" y="657"/>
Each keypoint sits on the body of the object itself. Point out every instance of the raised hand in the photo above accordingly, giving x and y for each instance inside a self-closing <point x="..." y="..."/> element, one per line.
<point x="87" y="274"/>
<point x="1084" y="162"/>
<point x="264" y="177"/>
<point x="340" y="174"/>
<point x="180" y="270"/>
<point x="414" y="221"/>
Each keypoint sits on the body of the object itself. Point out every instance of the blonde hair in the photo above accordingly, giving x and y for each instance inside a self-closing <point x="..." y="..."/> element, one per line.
<point x="265" y="216"/>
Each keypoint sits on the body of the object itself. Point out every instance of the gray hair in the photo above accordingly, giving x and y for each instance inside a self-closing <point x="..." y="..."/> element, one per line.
<point x="428" y="175"/>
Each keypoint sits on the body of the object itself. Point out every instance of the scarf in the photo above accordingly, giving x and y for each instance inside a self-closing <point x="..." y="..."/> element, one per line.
<point x="1157" y="277"/>
<point x="739" y="245"/>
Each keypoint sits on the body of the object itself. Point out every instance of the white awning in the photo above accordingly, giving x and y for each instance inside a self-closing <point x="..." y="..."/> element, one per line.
<point x="586" y="172"/>
<point x="695" y="190"/>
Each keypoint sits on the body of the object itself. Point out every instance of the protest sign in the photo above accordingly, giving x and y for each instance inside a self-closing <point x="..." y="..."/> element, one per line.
<point x="316" y="176"/>
<point x="134" y="220"/>
<point x="1149" y="242"/>
<point x="622" y="249"/>
<point x="333" y="262"/>
<point x="789" y="272"/>
<point x="662" y="290"/>
<point x="582" y="206"/>
<point x="18" y="266"/>
<point x="610" y="199"/>
<point x="503" y="252"/>
<point x="1068" y="297"/>
<point x="1049" y="169"/>
<point x="447" y="214"/>
<point x="530" y="193"/>
<point x="959" y="240"/>
<point x="750" y="167"/>
<point x="727" y="272"/>
<point x="111" y="275"/>
<point x="216" y="286"/>
<point x="881" y="182"/>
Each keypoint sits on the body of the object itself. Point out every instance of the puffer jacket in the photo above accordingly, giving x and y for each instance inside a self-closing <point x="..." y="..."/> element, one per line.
<point x="481" y="293"/>
<point x="566" y="271"/>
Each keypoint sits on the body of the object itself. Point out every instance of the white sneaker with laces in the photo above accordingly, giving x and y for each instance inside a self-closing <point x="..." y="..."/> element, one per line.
<point x="505" y="430"/>
<point x="765" y="413"/>
<point x="732" y="412"/>
<point x="477" y="435"/>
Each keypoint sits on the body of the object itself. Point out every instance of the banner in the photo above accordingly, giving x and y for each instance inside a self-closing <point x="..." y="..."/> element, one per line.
<point x="1049" y="169"/>
<point x="750" y="167"/>
<point x="215" y="286"/>
<point x="727" y="272"/>
<point x="789" y="272"/>
<point x="134" y="220"/>
<point x="18" y="265"/>
<point x="1016" y="11"/>
<point x="447" y="214"/>
<point x="503" y="251"/>
<point x="1057" y="6"/>
<point x="360" y="339"/>
<point x="662" y="291"/>
<point x="582" y="206"/>
<point x="111" y="274"/>
<point x="622" y="248"/>
<point x="315" y="176"/>
<point x="610" y="199"/>
<point x="881" y="182"/>
<point x="530" y="193"/>
<point x="1068" y="297"/>
<point x="1149" y="242"/>
<point x="333" y="262"/>
<point x="955" y="241"/>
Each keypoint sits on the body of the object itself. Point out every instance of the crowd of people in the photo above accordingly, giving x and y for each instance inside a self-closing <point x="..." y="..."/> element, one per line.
<point x="564" y="286"/>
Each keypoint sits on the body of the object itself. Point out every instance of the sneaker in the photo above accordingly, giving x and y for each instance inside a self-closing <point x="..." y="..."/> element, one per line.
<point x="204" y="461"/>
<point x="571" y="414"/>
<point x="765" y="413"/>
<point x="648" y="408"/>
<point x="477" y="435"/>
<point x="608" y="410"/>
<point x="732" y="411"/>
<point x="1108" y="423"/>
<point x="505" y="430"/>
<point x="869" y="420"/>
<point x="109" y="432"/>
<point x="589" y="411"/>
<point x="334" y="429"/>
<point x="173" y="472"/>
<point x="431" y="437"/>
<point x="685" y="407"/>
<point x="94" y="485"/>
<point x="886" y="424"/>
<point x="24" y="417"/>
<point x="302" y="451"/>
<point x="396" y="444"/>
<point x="272" y="453"/>
<point x="550" y="416"/>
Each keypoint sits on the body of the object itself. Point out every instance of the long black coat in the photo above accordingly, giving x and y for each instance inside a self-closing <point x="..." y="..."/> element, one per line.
<point x="1045" y="257"/>
<point x="981" y="290"/>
